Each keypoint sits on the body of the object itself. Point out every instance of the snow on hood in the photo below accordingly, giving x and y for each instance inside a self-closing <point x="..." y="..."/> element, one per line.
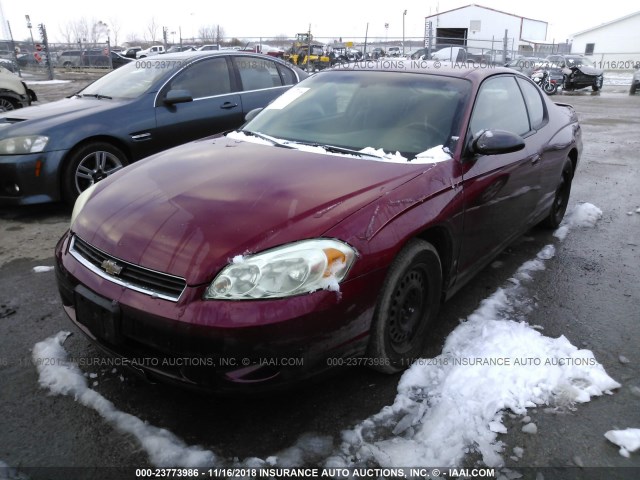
<point x="432" y="155"/>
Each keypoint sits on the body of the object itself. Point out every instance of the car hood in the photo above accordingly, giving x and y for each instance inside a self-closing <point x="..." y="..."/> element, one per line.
<point x="188" y="211"/>
<point x="36" y="118"/>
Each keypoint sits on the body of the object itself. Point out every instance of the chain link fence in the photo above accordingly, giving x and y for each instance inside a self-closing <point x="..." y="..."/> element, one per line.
<point x="35" y="61"/>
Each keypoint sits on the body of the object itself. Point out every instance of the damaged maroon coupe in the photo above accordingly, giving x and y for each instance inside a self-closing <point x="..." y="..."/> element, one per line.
<point x="330" y="226"/>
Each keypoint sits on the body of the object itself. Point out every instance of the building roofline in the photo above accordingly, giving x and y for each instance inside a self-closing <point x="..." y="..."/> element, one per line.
<point x="486" y="8"/>
<point x="606" y="23"/>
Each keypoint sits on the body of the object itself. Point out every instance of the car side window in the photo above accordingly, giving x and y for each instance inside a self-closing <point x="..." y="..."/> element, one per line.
<point x="287" y="75"/>
<point x="534" y="103"/>
<point x="257" y="73"/>
<point x="500" y="106"/>
<point x="204" y="79"/>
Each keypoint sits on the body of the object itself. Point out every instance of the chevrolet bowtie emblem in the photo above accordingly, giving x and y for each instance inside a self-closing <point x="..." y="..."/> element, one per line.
<point x="111" y="267"/>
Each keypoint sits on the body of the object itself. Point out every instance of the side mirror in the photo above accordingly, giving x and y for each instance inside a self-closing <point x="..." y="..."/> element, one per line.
<point x="496" y="142"/>
<point x="252" y="114"/>
<point x="177" y="96"/>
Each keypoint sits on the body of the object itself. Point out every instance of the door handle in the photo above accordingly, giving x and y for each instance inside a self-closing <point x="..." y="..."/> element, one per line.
<point x="228" y="105"/>
<point x="535" y="159"/>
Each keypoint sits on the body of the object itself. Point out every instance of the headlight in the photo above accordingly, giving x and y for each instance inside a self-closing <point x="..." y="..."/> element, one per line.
<point x="23" y="145"/>
<point x="81" y="201"/>
<point x="285" y="271"/>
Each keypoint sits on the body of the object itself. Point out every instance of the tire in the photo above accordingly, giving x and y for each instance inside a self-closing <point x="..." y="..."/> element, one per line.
<point x="89" y="164"/>
<point x="7" y="104"/>
<point x="597" y="84"/>
<point x="561" y="198"/>
<point x="632" y="89"/>
<point x="550" y="88"/>
<point x="68" y="64"/>
<point x="408" y="303"/>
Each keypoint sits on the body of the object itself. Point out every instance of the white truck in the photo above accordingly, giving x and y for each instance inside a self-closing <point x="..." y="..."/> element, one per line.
<point x="148" y="52"/>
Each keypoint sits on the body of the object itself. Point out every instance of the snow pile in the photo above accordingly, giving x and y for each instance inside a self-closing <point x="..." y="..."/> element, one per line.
<point x="433" y="155"/>
<point x="583" y="215"/>
<point x="628" y="440"/>
<point x="62" y="377"/>
<point x="453" y="404"/>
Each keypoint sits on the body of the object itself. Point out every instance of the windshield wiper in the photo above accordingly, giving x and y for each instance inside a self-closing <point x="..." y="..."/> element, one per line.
<point x="335" y="149"/>
<point x="274" y="141"/>
<point x="96" y="95"/>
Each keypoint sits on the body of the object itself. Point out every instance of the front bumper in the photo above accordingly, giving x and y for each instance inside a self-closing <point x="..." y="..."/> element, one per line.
<point x="221" y="346"/>
<point x="30" y="179"/>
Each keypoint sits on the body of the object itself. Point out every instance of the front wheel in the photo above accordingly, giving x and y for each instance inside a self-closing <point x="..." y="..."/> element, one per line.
<point x="88" y="165"/>
<point x="632" y="90"/>
<point x="550" y="88"/>
<point x="7" y="104"/>
<point x="597" y="84"/>
<point x="409" y="301"/>
<point x="561" y="198"/>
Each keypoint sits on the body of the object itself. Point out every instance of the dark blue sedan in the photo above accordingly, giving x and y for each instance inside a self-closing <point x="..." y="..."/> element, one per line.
<point x="55" y="151"/>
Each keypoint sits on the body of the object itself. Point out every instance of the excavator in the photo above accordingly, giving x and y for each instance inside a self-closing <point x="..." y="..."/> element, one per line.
<point x="307" y="54"/>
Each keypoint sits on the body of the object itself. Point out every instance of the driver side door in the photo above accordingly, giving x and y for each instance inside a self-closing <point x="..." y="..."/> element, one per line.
<point x="501" y="191"/>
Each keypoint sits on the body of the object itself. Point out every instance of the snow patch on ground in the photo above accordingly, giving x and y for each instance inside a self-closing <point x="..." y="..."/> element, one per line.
<point x="493" y="362"/>
<point x="628" y="440"/>
<point x="42" y="269"/>
<point x="583" y="215"/>
<point x="62" y="377"/>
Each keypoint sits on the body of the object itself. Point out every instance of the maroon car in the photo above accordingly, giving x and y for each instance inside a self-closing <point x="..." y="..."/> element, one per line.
<point x="330" y="227"/>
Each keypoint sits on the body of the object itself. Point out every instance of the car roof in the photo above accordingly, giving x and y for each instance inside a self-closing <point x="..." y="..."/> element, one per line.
<point x="428" y="67"/>
<point x="192" y="55"/>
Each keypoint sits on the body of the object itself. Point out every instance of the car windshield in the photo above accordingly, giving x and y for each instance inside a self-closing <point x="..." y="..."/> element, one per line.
<point x="408" y="113"/>
<point x="131" y="80"/>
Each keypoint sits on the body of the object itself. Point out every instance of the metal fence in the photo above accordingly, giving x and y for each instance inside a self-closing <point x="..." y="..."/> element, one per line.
<point x="34" y="61"/>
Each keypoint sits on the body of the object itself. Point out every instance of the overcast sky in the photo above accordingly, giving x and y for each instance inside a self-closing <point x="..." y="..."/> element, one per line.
<point x="328" y="18"/>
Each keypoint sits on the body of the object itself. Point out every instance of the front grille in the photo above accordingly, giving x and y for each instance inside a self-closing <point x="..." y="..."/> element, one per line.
<point x="132" y="276"/>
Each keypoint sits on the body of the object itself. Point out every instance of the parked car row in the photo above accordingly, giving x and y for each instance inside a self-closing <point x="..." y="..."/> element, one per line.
<point x="128" y="114"/>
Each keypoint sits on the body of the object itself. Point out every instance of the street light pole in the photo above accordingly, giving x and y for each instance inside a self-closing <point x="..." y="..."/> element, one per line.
<point x="386" y="37"/>
<point x="33" y="44"/>
<point x="403" y="17"/>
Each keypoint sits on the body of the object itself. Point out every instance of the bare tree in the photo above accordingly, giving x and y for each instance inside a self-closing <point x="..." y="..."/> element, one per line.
<point x="152" y="28"/>
<point x="99" y="31"/>
<point x="133" y="39"/>
<point x="80" y="30"/>
<point x="115" y="29"/>
<point x="211" y="34"/>
<point x="66" y="31"/>
<point x="282" y="40"/>
<point x="207" y="34"/>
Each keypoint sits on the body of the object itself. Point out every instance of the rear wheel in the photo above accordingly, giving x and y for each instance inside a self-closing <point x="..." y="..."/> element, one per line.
<point x="89" y="164"/>
<point x="409" y="301"/>
<point x="561" y="199"/>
